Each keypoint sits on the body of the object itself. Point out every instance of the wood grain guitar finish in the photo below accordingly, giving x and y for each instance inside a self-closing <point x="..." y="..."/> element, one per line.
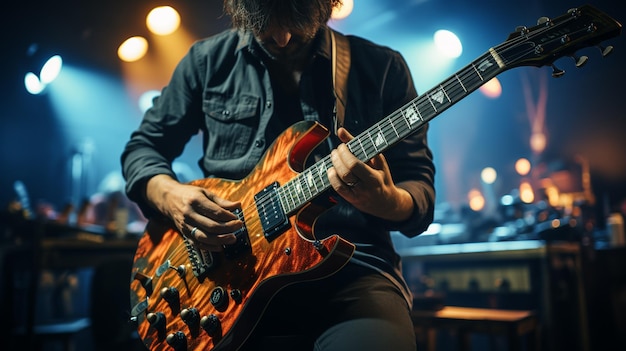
<point x="189" y="299"/>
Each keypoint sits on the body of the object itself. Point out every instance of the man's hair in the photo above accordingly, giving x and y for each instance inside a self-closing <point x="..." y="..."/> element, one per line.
<point x="256" y="15"/>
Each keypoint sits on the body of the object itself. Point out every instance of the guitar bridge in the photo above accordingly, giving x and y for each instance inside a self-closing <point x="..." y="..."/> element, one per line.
<point x="201" y="260"/>
<point x="273" y="218"/>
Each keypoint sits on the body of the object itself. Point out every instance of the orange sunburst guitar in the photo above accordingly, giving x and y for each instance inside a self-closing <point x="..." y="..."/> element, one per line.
<point x="187" y="299"/>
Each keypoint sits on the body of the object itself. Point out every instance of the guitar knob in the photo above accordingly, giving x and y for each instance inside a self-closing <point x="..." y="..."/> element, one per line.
<point x="145" y="281"/>
<point x="212" y="325"/>
<point x="190" y="316"/>
<point x="177" y="340"/>
<point x="170" y="294"/>
<point x="157" y="321"/>
<point x="236" y="295"/>
<point x="219" y="298"/>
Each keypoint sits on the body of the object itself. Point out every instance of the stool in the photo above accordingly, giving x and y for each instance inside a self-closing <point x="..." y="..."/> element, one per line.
<point x="512" y="324"/>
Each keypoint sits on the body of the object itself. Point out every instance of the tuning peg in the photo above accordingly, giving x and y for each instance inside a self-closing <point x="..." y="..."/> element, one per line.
<point x="580" y="61"/>
<point x="521" y="29"/>
<point x="543" y="20"/>
<point x="574" y="12"/>
<point x="557" y="72"/>
<point x="606" y="51"/>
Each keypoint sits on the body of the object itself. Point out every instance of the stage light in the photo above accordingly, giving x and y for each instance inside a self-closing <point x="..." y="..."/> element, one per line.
<point x="507" y="200"/>
<point x="448" y="43"/>
<point x="538" y="142"/>
<point x="526" y="192"/>
<point x="133" y="49"/>
<point x="50" y="70"/>
<point x="33" y="84"/>
<point x="522" y="166"/>
<point x="488" y="175"/>
<point x="476" y="200"/>
<point x="163" y="20"/>
<point x="492" y="89"/>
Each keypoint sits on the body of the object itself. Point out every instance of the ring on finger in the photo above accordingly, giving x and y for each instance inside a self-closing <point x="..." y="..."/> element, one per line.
<point x="193" y="231"/>
<point x="351" y="184"/>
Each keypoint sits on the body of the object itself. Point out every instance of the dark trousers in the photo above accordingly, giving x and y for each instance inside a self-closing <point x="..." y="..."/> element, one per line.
<point x="355" y="309"/>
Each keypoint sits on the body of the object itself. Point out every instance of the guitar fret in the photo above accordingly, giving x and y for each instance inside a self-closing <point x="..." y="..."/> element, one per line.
<point x="393" y="127"/>
<point x="311" y="180"/>
<point x="362" y="148"/>
<point x="299" y="190"/>
<point x="412" y="115"/>
<point x="445" y="93"/>
<point x="406" y="118"/>
<point x="281" y="197"/>
<point x="460" y="82"/>
<point x="432" y="104"/>
<point x="382" y="135"/>
<point x="321" y="172"/>
<point x="291" y="197"/>
<point x="478" y="73"/>
<point x="307" y="186"/>
<point x="419" y="113"/>
<point x="372" y="142"/>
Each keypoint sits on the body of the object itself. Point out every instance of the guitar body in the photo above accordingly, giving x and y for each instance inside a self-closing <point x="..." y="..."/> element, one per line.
<point x="235" y="288"/>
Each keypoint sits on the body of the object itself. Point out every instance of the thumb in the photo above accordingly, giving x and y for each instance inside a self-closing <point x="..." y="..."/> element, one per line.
<point x="224" y="203"/>
<point x="344" y="135"/>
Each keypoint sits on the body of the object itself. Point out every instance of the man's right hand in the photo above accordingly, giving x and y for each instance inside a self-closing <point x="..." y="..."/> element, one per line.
<point x="192" y="207"/>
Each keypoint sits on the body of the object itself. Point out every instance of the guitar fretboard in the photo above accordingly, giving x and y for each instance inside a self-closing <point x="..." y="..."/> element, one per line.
<point x="388" y="131"/>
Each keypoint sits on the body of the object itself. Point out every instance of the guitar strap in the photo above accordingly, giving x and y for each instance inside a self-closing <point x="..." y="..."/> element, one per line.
<point x="340" y="60"/>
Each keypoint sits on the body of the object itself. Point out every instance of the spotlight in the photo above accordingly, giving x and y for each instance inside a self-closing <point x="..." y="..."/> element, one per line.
<point x="163" y="20"/>
<point x="48" y="68"/>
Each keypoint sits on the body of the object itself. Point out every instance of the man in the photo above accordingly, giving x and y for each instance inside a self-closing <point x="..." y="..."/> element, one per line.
<point x="241" y="89"/>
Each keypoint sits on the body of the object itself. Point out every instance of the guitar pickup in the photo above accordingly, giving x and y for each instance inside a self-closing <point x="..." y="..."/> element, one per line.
<point x="271" y="214"/>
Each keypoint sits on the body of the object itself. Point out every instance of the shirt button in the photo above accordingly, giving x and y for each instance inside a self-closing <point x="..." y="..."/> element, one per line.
<point x="226" y="114"/>
<point x="268" y="104"/>
<point x="258" y="143"/>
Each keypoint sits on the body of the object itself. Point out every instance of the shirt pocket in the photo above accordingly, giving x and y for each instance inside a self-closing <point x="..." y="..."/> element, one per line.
<point x="231" y="123"/>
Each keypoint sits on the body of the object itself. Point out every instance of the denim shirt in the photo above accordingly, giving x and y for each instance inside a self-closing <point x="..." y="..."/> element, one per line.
<point x="223" y="90"/>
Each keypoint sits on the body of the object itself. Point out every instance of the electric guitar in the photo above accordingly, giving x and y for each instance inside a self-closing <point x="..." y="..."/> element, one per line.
<point x="183" y="298"/>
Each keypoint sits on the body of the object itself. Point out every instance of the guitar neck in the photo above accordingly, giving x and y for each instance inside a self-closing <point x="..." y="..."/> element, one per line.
<point x="397" y="126"/>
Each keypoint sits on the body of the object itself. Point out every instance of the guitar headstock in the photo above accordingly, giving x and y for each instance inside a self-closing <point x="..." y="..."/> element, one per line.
<point x="562" y="36"/>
